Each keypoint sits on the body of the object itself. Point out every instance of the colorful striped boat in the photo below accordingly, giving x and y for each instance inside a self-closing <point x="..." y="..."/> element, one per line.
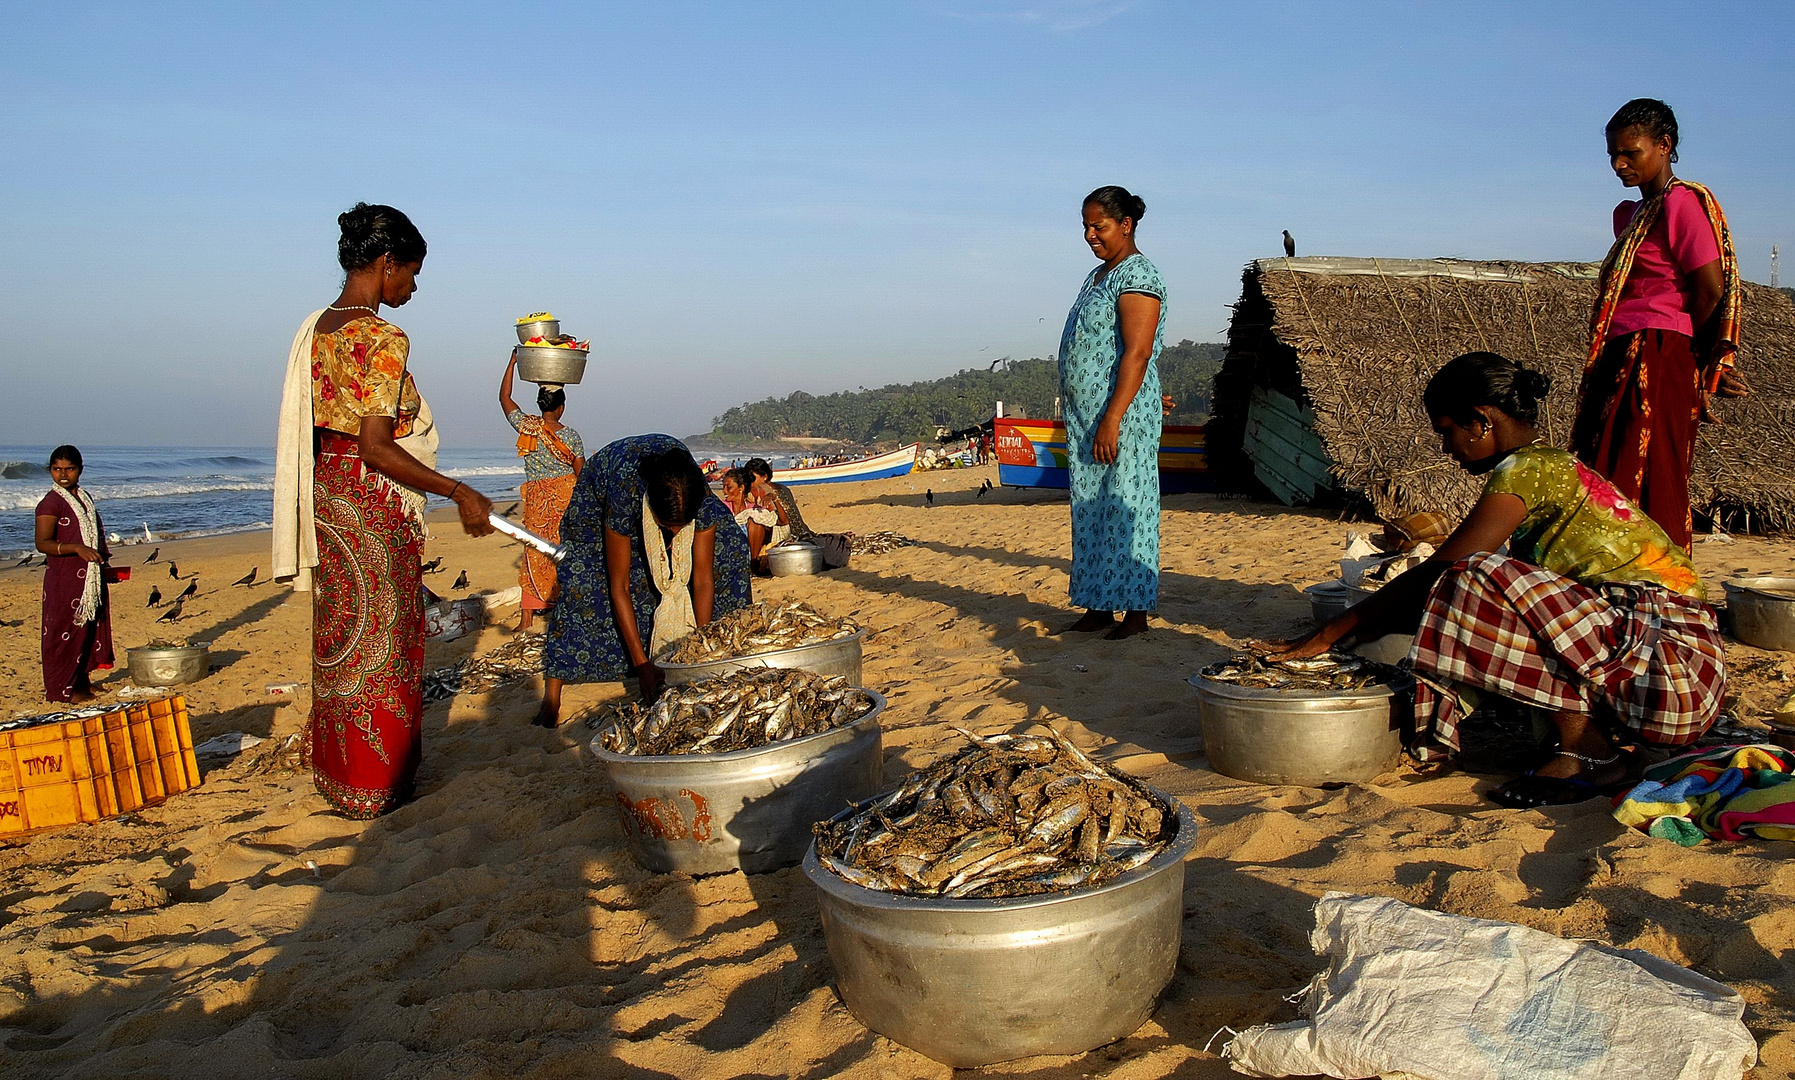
<point x="1032" y="453"/>
<point x="898" y="462"/>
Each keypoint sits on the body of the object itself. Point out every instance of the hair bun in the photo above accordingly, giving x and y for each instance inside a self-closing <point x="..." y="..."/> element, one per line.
<point x="1532" y="384"/>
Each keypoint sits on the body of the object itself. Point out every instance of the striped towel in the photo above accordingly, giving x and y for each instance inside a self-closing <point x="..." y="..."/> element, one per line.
<point x="1725" y="792"/>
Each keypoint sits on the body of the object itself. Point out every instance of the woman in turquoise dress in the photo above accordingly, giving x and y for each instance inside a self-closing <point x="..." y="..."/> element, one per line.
<point x="1109" y="387"/>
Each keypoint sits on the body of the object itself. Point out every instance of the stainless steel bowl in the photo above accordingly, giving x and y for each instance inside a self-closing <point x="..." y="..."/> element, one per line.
<point x="1297" y="737"/>
<point x="542" y="328"/>
<point x="174" y="665"/>
<point x="838" y="657"/>
<point x="795" y="558"/>
<point x="550" y="364"/>
<point x="1763" y="611"/>
<point x="747" y="810"/>
<point x="1327" y="601"/>
<point x="972" y="982"/>
<point x="1389" y="650"/>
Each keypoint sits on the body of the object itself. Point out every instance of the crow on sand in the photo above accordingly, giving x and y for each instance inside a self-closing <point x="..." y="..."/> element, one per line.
<point x="155" y="597"/>
<point x="247" y="579"/>
<point x="460" y="582"/>
<point x="173" y="613"/>
<point x="192" y="587"/>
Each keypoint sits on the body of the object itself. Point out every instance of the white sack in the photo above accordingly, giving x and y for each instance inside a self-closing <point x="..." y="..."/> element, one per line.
<point x="1416" y="993"/>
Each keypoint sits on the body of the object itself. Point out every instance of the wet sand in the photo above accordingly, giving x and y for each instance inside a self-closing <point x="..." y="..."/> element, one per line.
<point x="496" y="926"/>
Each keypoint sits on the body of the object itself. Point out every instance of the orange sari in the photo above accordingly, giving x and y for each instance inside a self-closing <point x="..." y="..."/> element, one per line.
<point x="545" y="501"/>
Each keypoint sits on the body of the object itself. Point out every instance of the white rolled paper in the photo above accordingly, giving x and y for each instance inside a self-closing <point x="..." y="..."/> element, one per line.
<point x="525" y="536"/>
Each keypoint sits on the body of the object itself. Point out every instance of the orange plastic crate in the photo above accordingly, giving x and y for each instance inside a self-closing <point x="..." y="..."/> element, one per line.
<point x="70" y="771"/>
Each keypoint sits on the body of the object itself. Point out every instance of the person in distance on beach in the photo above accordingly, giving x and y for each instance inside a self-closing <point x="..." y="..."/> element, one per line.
<point x="552" y="454"/>
<point x="756" y="520"/>
<point x="650" y="556"/>
<point x="77" y="615"/>
<point x="1665" y="325"/>
<point x="354" y="460"/>
<point x="1595" y="616"/>
<point x="1109" y="381"/>
<point x="838" y="548"/>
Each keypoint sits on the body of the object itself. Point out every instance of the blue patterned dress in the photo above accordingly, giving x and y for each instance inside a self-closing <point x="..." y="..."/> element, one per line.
<point x="583" y="644"/>
<point x="1115" y="508"/>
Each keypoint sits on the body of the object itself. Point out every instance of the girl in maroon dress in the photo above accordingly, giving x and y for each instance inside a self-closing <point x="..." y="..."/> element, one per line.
<point x="77" y="621"/>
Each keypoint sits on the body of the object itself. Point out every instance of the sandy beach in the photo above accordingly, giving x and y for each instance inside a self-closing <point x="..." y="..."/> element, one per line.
<point x="497" y="926"/>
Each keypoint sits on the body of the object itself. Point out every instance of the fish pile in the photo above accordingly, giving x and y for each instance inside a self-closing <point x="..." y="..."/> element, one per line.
<point x="1010" y="815"/>
<point x="757" y="628"/>
<point x="516" y="659"/>
<point x="737" y="711"/>
<point x="1329" y="671"/>
<point x="878" y="543"/>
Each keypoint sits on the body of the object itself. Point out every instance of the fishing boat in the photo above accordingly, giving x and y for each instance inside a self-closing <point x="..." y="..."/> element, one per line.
<point x="898" y="462"/>
<point x="1032" y="453"/>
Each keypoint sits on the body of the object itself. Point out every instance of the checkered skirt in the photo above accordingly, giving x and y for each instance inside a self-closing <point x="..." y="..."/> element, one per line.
<point x="1637" y="657"/>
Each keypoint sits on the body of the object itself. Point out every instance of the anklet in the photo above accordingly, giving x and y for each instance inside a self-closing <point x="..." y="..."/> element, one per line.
<point x="1589" y="760"/>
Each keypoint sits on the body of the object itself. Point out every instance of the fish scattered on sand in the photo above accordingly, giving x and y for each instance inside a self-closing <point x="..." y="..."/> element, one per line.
<point x="878" y="543"/>
<point x="518" y="658"/>
<point x="757" y="628"/>
<point x="1328" y="671"/>
<point x="737" y="711"/>
<point x="1008" y="815"/>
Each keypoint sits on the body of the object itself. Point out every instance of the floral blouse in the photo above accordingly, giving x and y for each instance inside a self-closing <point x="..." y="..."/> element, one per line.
<point x="1581" y="526"/>
<point x="359" y="370"/>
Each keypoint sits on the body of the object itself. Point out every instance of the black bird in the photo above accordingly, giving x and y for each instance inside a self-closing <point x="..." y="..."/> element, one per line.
<point x="1289" y="245"/>
<point x="460" y="582"/>
<point x="432" y="566"/>
<point x="154" y="555"/>
<point x="173" y="570"/>
<point x="247" y="579"/>
<point x="928" y="497"/>
<point x="26" y="561"/>
<point x="984" y="487"/>
<point x="173" y="613"/>
<point x="192" y="587"/>
<point x="155" y="597"/>
<point x="509" y="510"/>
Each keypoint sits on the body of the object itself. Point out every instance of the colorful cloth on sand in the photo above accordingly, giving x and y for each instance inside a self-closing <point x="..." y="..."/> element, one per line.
<point x="367" y="637"/>
<point x="552" y="461"/>
<point x="583" y="643"/>
<point x="1579" y="526"/>
<point x="1619" y="265"/>
<point x="1115" y="507"/>
<point x="1640" y="433"/>
<point x="1636" y="656"/>
<point x="1726" y="793"/>
<point x="72" y="646"/>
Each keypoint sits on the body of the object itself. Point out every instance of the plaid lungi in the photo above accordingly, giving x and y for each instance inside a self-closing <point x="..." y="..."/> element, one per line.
<point x="1635" y="656"/>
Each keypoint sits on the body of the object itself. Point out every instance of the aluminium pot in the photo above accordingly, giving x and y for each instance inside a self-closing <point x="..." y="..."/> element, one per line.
<point x="542" y="328"/>
<point x="550" y="364"/>
<point x="795" y="558"/>
<point x="973" y="982"/>
<point x="168" y="665"/>
<point x="1328" y="601"/>
<point x="1762" y="610"/>
<point x="838" y="656"/>
<point x="748" y="810"/>
<point x="1302" y="737"/>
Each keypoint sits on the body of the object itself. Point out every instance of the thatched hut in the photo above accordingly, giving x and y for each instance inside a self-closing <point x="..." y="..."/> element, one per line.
<point x="1319" y="396"/>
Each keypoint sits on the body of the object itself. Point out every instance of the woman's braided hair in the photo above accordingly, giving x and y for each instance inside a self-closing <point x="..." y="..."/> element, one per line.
<point x="1485" y="378"/>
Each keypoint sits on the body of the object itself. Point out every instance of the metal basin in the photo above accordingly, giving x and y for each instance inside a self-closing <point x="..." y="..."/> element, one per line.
<point x="1763" y="611"/>
<point x="1389" y="650"/>
<point x="972" y="982"/>
<point x="838" y="657"/>
<point x="795" y="558"/>
<point x="1327" y="601"/>
<point x="1306" y="738"/>
<point x="167" y="665"/>
<point x="747" y="810"/>
<point x="542" y="328"/>
<point x="550" y="364"/>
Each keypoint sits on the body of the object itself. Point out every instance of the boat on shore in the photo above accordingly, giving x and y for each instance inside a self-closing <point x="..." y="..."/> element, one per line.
<point x="898" y="462"/>
<point x="1032" y="453"/>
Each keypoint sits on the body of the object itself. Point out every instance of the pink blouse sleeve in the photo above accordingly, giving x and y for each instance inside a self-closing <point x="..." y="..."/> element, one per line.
<point x="1692" y="244"/>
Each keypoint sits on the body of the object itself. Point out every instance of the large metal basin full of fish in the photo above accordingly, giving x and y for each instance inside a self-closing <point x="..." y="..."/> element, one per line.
<point x="840" y="656"/>
<point x="972" y="982"/>
<point x="1304" y="737"/>
<point x="748" y="810"/>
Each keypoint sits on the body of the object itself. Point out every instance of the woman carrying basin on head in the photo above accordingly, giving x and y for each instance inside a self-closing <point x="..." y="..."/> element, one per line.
<point x="1109" y="383"/>
<point x="650" y="555"/>
<point x="77" y="617"/>
<point x="1594" y="616"/>
<point x="552" y="454"/>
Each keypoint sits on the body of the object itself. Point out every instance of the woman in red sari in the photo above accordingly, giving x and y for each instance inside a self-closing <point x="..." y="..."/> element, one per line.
<point x="1664" y="328"/>
<point x="77" y="620"/>
<point x="374" y="450"/>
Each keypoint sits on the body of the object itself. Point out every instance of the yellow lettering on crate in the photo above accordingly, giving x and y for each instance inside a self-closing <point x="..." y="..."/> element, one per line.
<point x="44" y="763"/>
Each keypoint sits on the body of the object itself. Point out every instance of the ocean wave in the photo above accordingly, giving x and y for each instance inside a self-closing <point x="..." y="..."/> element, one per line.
<point x="25" y="500"/>
<point x="21" y="470"/>
<point x="11" y="555"/>
<point x="485" y="470"/>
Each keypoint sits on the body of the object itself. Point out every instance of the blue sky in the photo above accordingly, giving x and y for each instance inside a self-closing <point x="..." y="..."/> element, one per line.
<point x="736" y="200"/>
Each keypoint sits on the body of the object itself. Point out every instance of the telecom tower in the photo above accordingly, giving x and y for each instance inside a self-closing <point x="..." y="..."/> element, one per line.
<point x="1775" y="265"/>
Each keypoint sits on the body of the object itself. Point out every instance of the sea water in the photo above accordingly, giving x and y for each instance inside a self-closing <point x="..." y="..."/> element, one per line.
<point x="175" y="492"/>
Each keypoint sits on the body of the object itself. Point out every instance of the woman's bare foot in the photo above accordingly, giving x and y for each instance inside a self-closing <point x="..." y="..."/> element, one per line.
<point x="82" y="697"/>
<point x="1091" y="622"/>
<point x="549" y="715"/>
<point x="1135" y="622"/>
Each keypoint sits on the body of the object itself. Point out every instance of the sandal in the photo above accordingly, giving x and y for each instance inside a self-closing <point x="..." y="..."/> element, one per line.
<point x="1531" y="790"/>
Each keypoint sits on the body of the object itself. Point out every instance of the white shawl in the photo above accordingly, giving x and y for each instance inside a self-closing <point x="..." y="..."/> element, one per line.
<point x="674" y="617"/>
<point x="81" y="506"/>
<point x="295" y="534"/>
